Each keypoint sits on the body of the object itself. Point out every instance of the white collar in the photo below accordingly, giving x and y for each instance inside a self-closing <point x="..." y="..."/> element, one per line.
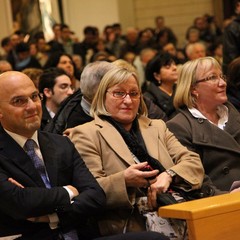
<point x="222" y="112"/>
<point x="21" y="140"/>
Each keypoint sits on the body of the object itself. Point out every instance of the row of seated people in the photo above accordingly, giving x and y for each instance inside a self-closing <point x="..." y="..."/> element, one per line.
<point x="121" y="141"/>
<point x="197" y="97"/>
<point x="204" y="121"/>
<point x="112" y="39"/>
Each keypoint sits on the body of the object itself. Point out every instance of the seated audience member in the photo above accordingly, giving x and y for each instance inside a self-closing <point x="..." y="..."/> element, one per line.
<point x="47" y="199"/>
<point x="207" y="123"/>
<point x="233" y="83"/>
<point x="6" y="48"/>
<point x="161" y="73"/>
<point x="75" y="110"/>
<point x="5" y="66"/>
<point x="24" y="58"/>
<point x="195" y="50"/>
<point x="64" y="61"/>
<point x="160" y="26"/>
<point x="55" y="86"/>
<point x="46" y="192"/>
<point x="178" y="55"/>
<point x="154" y="112"/>
<point x="141" y="61"/>
<point x="117" y="144"/>
<point x="34" y="74"/>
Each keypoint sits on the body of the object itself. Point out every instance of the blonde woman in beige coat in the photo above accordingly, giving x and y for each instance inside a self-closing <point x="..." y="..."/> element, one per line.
<point x="118" y="108"/>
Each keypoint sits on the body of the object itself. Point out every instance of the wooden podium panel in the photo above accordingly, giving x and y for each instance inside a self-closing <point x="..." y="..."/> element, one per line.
<point x="212" y="218"/>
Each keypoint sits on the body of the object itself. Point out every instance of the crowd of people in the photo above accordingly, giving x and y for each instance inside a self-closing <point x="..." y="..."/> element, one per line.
<point x="94" y="132"/>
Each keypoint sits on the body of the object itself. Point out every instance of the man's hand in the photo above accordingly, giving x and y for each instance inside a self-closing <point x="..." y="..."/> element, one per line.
<point x="33" y="219"/>
<point x="15" y="182"/>
<point x="73" y="189"/>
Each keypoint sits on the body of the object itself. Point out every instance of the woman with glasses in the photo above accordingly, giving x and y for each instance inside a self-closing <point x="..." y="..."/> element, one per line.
<point x="120" y="143"/>
<point x="207" y="123"/>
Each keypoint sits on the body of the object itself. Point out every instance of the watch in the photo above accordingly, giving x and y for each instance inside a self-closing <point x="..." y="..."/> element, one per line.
<point x="170" y="173"/>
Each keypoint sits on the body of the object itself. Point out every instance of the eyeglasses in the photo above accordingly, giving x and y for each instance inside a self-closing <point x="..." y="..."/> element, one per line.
<point x="134" y="95"/>
<point x="23" y="101"/>
<point x="213" y="78"/>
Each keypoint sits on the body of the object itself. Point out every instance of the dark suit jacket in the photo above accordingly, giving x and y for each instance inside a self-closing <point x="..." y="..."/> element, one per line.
<point x="64" y="167"/>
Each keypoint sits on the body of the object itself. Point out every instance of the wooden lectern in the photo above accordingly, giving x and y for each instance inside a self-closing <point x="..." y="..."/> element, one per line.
<point x="212" y="218"/>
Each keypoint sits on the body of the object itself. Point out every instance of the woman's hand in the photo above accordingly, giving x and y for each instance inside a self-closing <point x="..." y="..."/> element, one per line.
<point x="160" y="186"/>
<point x="136" y="177"/>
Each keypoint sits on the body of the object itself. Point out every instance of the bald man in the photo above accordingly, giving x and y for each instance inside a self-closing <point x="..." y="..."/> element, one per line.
<point x="5" y="66"/>
<point x="28" y="205"/>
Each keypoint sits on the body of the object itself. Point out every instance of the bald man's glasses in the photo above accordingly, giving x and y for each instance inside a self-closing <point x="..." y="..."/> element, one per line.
<point x="22" y="101"/>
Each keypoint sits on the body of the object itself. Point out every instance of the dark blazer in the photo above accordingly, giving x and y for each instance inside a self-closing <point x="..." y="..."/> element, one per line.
<point x="65" y="167"/>
<point x="219" y="149"/>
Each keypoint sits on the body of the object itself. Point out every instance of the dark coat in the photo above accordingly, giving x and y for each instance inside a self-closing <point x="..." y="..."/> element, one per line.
<point x="231" y="42"/>
<point x="46" y="118"/>
<point x="64" y="167"/>
<point x="219" y="149"/>
<point x="161" y="99"/>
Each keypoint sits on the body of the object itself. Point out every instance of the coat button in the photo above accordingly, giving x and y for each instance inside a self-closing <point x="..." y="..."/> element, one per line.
<point x="200" y="120"/>
<point x="226" y="170"/>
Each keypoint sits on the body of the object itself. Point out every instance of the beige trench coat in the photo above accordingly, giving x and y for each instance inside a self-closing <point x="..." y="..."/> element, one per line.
<point x="107" y="156"/>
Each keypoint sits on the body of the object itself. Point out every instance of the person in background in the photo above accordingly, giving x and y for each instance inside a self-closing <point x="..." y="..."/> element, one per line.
<point x="65" y="62"/>
<point x="231" y="41"/>
<point x="5" y="66"/>
<point x="161" y="74"/>
<point x="160" y="26"/>
<point x="24" y="58"/>
<point x="195" y="50"/>
<point x="207" y="123"/>
<point x="6" y="48"/>
<point x="34" y="74"/>
<point x="233" y="83"/>
<point x="55" y="86"/>
<point x="117" y="144"/>
<point x="75" y="110"/>
<point x="141" y="61"/>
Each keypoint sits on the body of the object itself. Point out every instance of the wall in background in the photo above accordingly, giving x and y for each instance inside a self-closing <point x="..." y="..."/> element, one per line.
<point x="179" y="15"/>
<point x="80" y="13"/>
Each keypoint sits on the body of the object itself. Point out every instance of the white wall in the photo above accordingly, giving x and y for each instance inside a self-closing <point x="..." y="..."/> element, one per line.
<point x="5" y="18"/>
<point x="179" y="15"/>
<point x="80" y="13"/>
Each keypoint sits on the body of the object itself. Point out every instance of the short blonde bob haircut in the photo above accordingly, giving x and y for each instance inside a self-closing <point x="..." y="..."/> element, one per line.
<point x="115" y="76"/>
<point x="189" y="74"/>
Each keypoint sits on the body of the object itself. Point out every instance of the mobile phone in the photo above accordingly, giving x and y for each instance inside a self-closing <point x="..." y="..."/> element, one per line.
<point x="146" y="169"/>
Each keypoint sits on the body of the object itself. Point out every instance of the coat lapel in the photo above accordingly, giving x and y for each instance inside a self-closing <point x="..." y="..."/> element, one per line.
<point x="116" y="143"/>
<point x="13" y="153"/>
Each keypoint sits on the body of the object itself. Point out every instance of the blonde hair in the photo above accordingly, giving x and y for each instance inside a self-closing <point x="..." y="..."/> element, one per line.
<point x="187" y="79"/>
<point x="115" y="76"/>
